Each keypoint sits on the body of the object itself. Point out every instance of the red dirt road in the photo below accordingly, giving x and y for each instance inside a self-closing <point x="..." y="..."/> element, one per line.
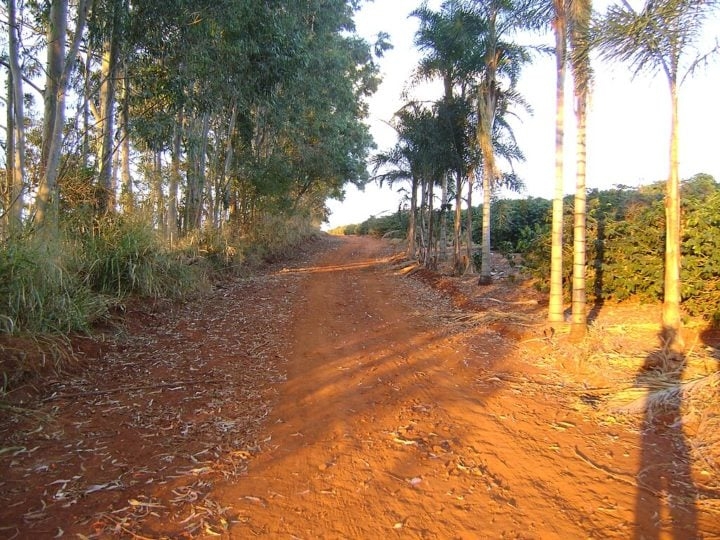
<point x="397" y="416"/>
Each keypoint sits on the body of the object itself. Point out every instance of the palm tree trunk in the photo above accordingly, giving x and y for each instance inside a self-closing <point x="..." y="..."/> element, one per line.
<point x="457" y="226"/>
<point x="412" y="225"/>
<point x="555" y="308"/>
<point x="578" y="326"/>
<point x="485" y="263"/>
<point x="671" y="303"/>
<point x="470" y="265"/>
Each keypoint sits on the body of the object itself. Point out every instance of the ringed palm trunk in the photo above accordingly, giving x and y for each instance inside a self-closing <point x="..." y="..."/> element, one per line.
<point x="578" y="326"/>
<point x="487" y="107"/>
<point x="412" y="225"/>
<point x="555" y="308"/>
<point x="671" y="303"/>
<point x="485" y="266"/>
<point x="457" y="225"/>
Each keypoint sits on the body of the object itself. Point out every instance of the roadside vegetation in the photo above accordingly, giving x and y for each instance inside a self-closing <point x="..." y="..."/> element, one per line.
<point x="625" y="242"/>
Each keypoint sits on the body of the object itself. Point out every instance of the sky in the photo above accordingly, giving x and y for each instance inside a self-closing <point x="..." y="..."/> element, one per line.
<point x="628" y="123"/>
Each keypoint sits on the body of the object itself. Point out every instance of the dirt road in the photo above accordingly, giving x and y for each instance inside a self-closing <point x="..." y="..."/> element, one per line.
<point x="379" y="411"/>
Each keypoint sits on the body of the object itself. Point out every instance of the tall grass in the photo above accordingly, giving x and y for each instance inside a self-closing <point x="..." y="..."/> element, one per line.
<point x="39" y="294"/>
<point x="124" y="255"/>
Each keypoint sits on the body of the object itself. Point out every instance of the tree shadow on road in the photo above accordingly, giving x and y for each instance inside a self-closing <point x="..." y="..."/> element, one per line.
<point x="665" y="502"/>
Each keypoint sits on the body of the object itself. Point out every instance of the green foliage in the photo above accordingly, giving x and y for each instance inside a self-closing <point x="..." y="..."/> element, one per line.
<point x="394" y="224"/>
<point x="626" y="242"/>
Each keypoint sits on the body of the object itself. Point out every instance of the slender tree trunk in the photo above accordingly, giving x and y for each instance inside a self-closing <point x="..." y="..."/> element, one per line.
<point x="671" y="320"/>
<point x="9" y="160"/>
<point x="172" y="213"/>
<point x="412" y="225"/>
<point x="430" y="251"/>
<point x="157" y="190"/>
<point x="458" y="265"/>
<point x="107" y="114"/>
<point x="127" y="197"/>
<point x="578" y="326"/>
<point x="470" y="265"/>
<point x="58" y="72"/>
<point x="485" y="262"/>
<point x="443" y="219"/>
<point x="16" y="129"/>
<point x="86" y="111"/>
<point x="555" y="308"/>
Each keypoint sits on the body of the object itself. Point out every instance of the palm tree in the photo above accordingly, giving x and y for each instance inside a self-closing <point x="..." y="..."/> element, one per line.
<point x="502" y="62"/>
<point x="661" y="36"/>
<point x="414" y="158"/>
<point x="448" y="39"/>
<point x="579" y="22"/>
<point x="559" y="23"/>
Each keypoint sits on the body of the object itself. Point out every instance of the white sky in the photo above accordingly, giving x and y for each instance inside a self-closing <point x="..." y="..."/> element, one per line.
<point x="628" y="124"/>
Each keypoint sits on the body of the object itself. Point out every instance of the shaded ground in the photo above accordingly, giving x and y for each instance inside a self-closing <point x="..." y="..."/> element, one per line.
<point x="351" y="395"/>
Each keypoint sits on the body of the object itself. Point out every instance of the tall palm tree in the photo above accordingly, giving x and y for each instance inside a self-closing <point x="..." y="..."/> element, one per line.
<point x="580" y="12"/>
<point x="500" y="71"/>
<point x="447" y="38"/>
<point x="660" y="37"/>
<point x="414" y="157"/>
<point x="559" y="24"/>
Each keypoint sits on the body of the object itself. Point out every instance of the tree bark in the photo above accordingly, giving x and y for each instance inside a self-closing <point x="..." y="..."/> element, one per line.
<point x="485" y="262"/>
<point x="58" y="73"/>
<point x="470" y="265"/>
<point x="671" y="320"/>
<point x="108" y="75"/>
<point x="16" y="129"/>
<point x="578" y="327"/>
<point x="555" y="307"/>
<point x="412" y="225"/>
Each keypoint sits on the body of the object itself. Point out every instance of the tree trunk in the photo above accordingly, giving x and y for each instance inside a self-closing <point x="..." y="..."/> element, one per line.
<point x="58" y="73"/>
<point x="443" y="219"/>
<point x="172" y="210"/>
<point x="671" y="302"/>
<point x="430" y="259"/>
<point x="458" y="266"/>
<point x="555" y="308"/>
<point x="16" y="129"/>
<point x="108" y="75"/>
<point x="412" y="225"/>
<point x="485" y="262"/>
<point x="578" y="327"/>
<point x="470" y="264"/>
<point x="127" y="197"/>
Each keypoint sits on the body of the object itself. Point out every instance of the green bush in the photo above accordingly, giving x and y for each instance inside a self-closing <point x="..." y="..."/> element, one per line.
<point x="626" y="243"/>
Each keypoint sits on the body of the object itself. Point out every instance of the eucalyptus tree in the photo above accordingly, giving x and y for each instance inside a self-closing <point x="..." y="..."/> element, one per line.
<point x="16" y="124"/>
<point x="60" y="63"/>
<point x="663" y="36"/>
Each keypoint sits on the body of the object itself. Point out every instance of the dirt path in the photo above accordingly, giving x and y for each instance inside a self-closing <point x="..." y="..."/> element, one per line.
<point x="344" y="400"/>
